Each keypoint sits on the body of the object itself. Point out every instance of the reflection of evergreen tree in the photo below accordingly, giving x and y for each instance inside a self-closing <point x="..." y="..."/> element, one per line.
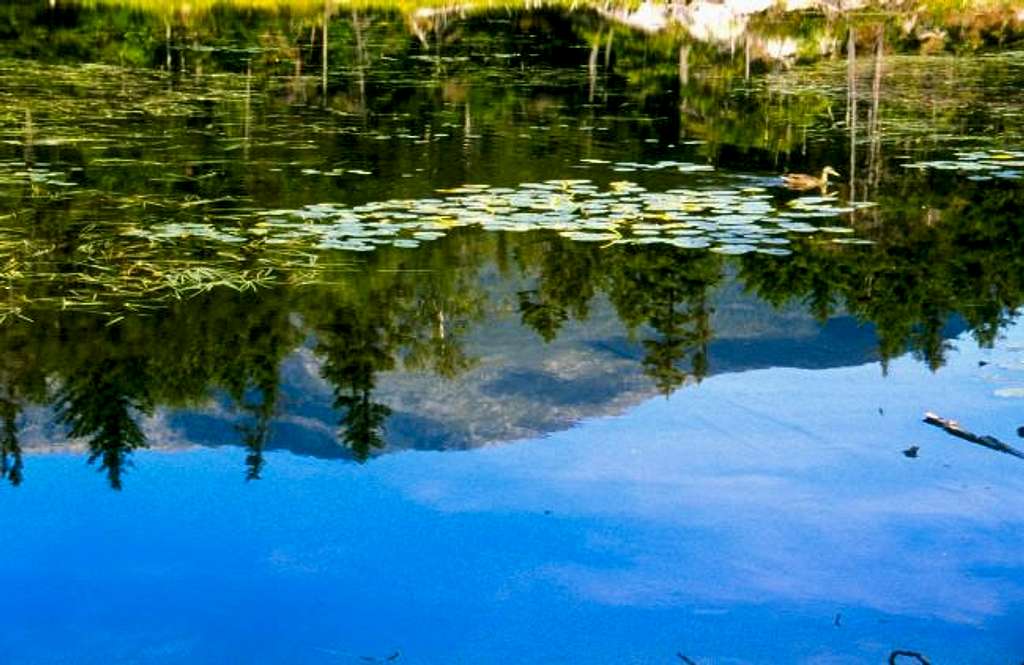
<point x="363" y="422"/>
<point x="356" y="345"/>
<point x="543" y="316"/>
<point x="23" y="380"/>
<point x="11" y="465"/>
<point x="667" y="290"/>
<point x="100" y="404"/>
<point x="418" y="314"/>
<point x="569" y="278"/>
<point x="255" y="432"/>
<point x="664" y="289"/>
<point x="676" y="341"/>
<point x="254" y="342"/>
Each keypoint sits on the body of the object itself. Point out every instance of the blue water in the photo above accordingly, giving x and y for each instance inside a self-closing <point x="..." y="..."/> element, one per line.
<point x="766" y="516"/>
<point x="616" y="388"/>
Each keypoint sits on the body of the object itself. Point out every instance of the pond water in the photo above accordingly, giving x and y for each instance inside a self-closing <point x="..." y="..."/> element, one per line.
<point x="491" y="335"/>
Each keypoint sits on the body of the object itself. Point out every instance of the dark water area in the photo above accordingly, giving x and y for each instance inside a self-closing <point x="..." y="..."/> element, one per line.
<point x="494" y="336"/>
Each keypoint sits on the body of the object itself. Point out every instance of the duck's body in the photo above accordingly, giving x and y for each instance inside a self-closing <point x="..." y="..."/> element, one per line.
<point x="803" y="182"/>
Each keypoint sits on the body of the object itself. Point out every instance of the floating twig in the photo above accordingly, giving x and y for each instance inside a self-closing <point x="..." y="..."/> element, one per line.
<point x="907" y="654"/>
<point x="953" y="427"/>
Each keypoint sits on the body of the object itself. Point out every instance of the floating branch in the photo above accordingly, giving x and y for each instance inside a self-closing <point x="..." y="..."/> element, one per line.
<point x="908" y="654"/>
<point x="953" y="427"/>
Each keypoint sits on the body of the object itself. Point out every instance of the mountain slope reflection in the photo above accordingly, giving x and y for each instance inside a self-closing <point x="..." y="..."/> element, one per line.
<point x="357" y="382"/>
<point x="522" y="388"/>
<point x="476" y="338"/>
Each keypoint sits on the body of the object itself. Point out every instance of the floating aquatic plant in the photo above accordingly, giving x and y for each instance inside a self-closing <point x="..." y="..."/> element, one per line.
<point x="733" y="220"/>
<point x="981" y="164"/>
<point x="124" y="189"/>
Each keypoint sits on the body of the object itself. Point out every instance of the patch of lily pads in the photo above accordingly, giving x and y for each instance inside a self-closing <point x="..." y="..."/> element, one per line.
<point x="17" y="174"/>
<point x="980" y="164"/>
<point x="115" y="201"/>
<point x="728" y="220"/>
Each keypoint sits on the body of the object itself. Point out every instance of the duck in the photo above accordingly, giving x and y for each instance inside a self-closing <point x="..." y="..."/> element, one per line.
<point x="803" y="182"/>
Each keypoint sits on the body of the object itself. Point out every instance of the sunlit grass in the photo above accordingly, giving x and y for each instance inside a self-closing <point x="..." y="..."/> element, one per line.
<point x="317" y="7"/>
<point x="951" y="9"/>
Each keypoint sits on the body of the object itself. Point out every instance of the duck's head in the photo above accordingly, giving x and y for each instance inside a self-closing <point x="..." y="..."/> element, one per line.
<point x="827" y="171"/>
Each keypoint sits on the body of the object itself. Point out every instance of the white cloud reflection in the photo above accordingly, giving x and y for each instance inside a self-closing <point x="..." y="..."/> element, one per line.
<point x="776" y="487"/>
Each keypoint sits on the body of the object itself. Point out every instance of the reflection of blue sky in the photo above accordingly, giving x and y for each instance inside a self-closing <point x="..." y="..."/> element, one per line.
<point x="731" y="520"/>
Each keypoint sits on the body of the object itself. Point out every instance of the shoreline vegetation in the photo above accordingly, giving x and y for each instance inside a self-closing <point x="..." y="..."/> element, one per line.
<point x="934" y="24"/>
<point x="773" y="32"/>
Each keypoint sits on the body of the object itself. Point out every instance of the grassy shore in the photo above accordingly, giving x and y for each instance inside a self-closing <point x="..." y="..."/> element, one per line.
<point x="938" y="8"/>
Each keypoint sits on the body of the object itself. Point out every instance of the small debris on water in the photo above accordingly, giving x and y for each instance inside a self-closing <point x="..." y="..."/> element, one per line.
<point x="905" y="655"/>
<point x="954" y="428"/>
<point x="911" y="452"/>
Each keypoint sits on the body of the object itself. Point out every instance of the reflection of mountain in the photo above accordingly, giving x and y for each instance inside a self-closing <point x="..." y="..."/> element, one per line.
<point x="523" y="387"/>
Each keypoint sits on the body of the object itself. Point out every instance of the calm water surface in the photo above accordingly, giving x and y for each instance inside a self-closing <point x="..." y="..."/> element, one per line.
<point x="493" y="337"/>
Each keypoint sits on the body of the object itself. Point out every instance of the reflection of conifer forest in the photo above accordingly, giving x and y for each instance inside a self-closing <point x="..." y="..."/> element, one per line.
<point x="944" y="247"/>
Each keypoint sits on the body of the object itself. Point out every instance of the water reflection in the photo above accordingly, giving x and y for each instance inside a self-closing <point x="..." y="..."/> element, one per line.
<point x="182" y="217"/>
<point x="661" y="311"/>
<point x="731" y="522"/>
